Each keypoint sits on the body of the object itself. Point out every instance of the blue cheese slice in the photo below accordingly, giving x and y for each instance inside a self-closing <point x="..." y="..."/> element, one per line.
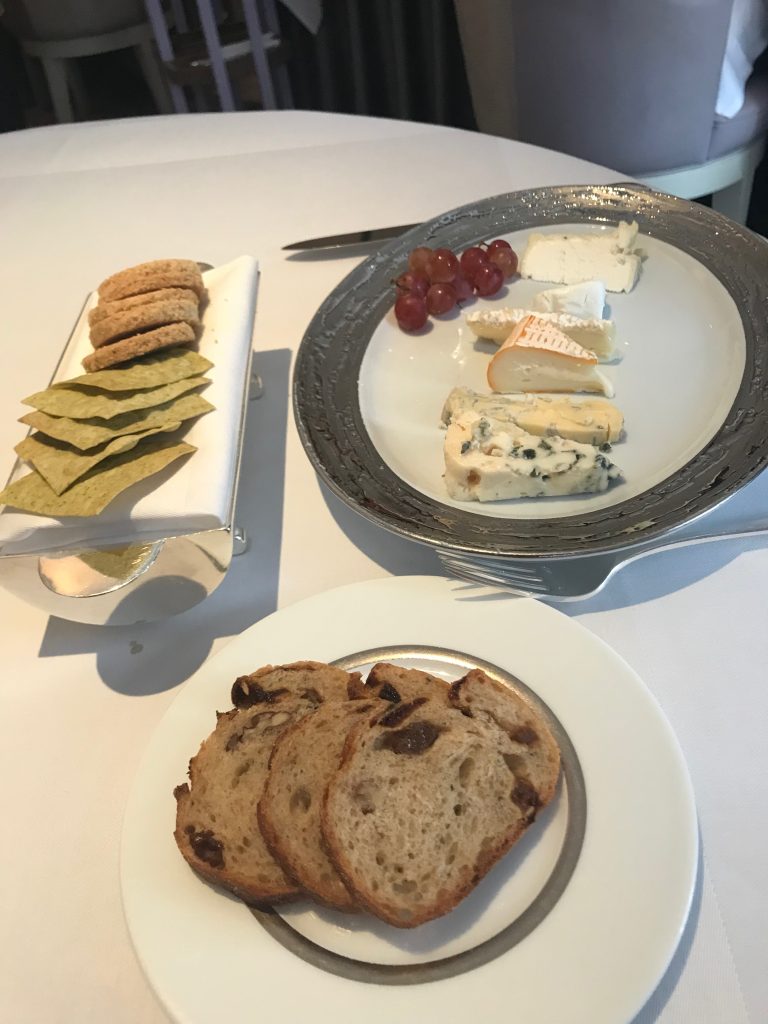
<point x="607" y="256"/>
<point x="587" y="420"/>
<point x="496" y="325"/>
<point x="538" y="357"/>
<point x="490" y="460"/>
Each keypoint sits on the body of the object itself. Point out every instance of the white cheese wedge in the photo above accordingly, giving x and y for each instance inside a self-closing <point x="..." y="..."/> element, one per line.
<point x="497" y="325"/>
<point x="486" y="460"/>
<point x="538" y="357"/>
<point x="606" y="256"/>
<point x="585" y="300"/>
<point x="587" y="420"/>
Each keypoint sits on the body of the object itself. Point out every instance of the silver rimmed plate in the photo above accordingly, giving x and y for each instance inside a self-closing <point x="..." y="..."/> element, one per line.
<point x="689" y="378"/>
<point x="594" y="898"/>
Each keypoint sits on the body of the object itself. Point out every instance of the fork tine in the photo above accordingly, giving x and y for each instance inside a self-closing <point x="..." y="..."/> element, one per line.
<point x="500" y="576"/>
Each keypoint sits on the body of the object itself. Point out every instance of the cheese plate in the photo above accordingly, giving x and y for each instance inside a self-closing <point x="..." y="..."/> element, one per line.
<point x="689" y="357"/>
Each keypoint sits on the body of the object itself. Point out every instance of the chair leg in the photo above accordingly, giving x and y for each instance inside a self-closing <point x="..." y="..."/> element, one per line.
<point x="733" y="201"/>
<point x="150" y="66"/>
<point x="56" y="76"/>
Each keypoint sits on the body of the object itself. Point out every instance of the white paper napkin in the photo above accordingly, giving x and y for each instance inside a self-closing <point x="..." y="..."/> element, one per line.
<point x="195" y="494"/>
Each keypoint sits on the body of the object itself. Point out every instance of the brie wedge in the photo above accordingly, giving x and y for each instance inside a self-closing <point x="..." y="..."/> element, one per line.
<point x="497" y="325"/>
<point x="607" y="256"/>
<point x="486" y="460"/>
<point x="538" y="357"/>
<point x="587" y="420"/>
<point x="585" y="300"/>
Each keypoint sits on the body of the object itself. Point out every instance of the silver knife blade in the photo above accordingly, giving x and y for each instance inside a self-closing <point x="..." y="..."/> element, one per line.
<point x="351" y="238"/>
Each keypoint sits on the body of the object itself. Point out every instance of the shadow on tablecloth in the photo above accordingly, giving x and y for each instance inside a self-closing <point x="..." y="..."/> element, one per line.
<point x="150" y="658"/>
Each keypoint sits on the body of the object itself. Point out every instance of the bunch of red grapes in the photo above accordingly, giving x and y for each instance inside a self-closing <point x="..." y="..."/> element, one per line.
<point x="437" y="279"/>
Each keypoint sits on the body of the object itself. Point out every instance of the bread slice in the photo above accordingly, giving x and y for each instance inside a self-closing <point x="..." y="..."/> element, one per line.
<point x="304" y="759"/>
<point x="313" y="681"/>
<point x="536" y="751"/>
<point x="393" y="683"/>
<point x="426" y="800"/>
<point x="217" y="829"/>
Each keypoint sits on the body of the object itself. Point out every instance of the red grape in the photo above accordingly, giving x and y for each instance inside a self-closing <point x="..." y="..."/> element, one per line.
<point x="411" y="311"/>
<point x="441" y="298"/>
<point x="413" y="281"/>
<point x="505" y="260"/>
<point x="442" y="266"/>
<point x="487" y="279"/>
<point x="463" y="287"/>
<point x="418" y="258"/>
<point x="471" y="259"/>
<point x="496" y="244"/>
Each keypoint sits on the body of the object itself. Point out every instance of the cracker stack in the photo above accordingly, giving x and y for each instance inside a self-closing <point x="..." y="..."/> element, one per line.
<point x="143" y="309"/>
<point x="394" y="796"/>
<point x="101" y="432"/>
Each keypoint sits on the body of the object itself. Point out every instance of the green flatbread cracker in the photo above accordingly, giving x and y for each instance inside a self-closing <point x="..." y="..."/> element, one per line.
<point x="150" y="371"/>
<point x="60" y="466"/>
<point x="79" y="403"/>
<point x="87" y="434"/>
<point x="93" y="492"/>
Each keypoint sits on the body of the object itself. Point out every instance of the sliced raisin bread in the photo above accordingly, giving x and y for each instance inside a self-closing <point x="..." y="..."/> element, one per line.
<point x="393" y="683"/>
<point x="424" y="803"/>
<point x="309" y="680"/>
<point x="303" y="761"/>
<point x="534" y="744"/>
<point x="217" y="829"/>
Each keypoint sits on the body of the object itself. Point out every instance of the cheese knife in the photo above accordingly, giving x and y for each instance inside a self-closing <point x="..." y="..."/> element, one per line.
<point x="351" y="238"/>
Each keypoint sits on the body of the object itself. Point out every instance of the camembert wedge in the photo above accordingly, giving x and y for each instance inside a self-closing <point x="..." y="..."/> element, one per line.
<point x="607" y="256"/>
<point x="487" y="460"/>
<point x="587" y="420"/>
<point x="497" y="325"/>
<point x="538" y="357"/>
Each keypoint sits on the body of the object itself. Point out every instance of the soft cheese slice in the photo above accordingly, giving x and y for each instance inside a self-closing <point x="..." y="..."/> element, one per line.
<point x="538" y="357"/>
<point x="487" y="460"/>
<point x="497" y="325"/>
<point x="607" y="256"/>
<point x="587" y="420"/>
<point x="585" y="300"/>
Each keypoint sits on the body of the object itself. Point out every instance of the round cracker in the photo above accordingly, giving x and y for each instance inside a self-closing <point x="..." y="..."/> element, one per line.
<point x="139" y="345"/>
<point x="120" y="305"/>
<point x="142" y="318"/>
<point x="148" y="277"/>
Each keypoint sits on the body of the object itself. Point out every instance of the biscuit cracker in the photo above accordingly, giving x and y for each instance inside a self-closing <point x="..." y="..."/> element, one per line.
<point x="142" y="318"/>
<point x="121" y="305"/>
<point x="139" y="345"/>
<point x="148" y="277"/>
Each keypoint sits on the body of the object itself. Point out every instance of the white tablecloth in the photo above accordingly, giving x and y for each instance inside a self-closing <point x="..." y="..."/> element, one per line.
<point x="78" y="703"/>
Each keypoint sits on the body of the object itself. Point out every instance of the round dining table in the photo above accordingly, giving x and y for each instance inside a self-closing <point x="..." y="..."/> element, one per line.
<point x="80" y="702"/>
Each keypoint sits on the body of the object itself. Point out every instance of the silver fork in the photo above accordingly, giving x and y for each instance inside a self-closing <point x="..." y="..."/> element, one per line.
<point x="568" y="579"/>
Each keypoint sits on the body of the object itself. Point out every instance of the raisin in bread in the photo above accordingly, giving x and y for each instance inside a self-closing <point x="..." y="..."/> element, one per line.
<point x="424" y="803"/>
<point x="309" y="680"/>
<point x="303" y="761"/>
<point x="534" y="744"/>
<point x="217" y="829"/>
<point x="393" y="683"/>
